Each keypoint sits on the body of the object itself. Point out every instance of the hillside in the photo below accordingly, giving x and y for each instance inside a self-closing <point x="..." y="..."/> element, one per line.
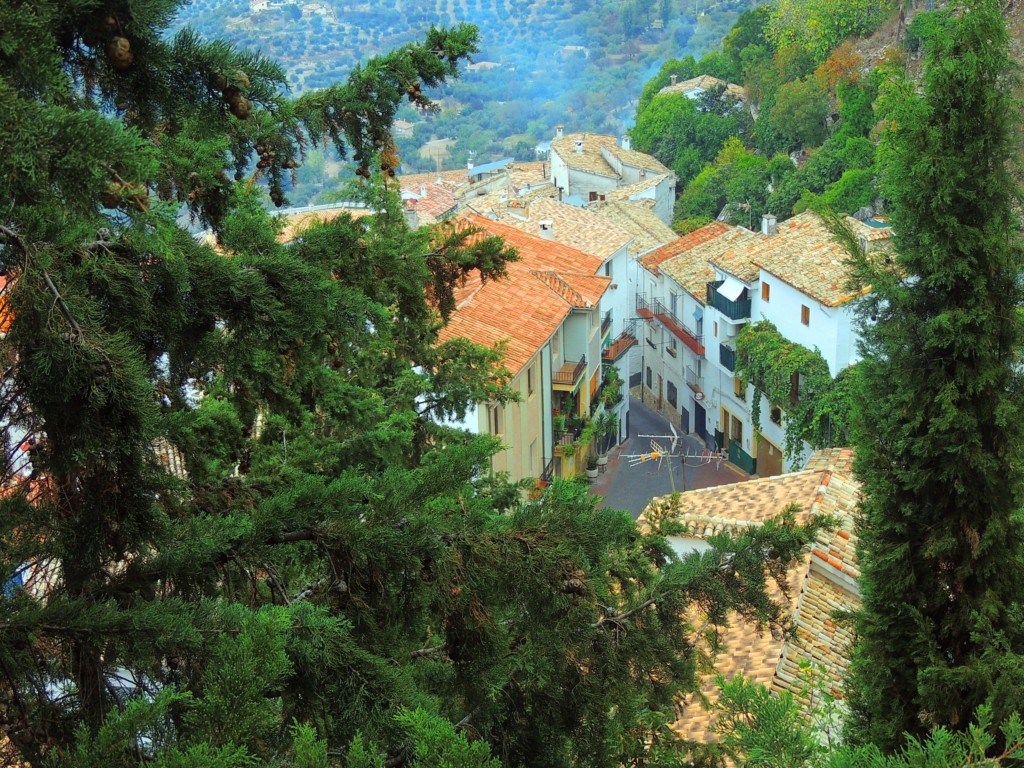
<point x="541" y="63"/>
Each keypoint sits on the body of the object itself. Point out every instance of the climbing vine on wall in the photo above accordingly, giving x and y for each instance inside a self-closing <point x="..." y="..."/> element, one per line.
<point x="796" y="379"/>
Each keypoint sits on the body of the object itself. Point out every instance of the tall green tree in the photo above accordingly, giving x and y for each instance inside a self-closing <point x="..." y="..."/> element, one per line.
<point x="939" y="430"/>
<point x="248" y="538"/>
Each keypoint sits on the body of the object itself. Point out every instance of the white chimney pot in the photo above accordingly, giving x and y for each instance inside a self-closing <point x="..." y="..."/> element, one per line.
<point x="546" y="229"/>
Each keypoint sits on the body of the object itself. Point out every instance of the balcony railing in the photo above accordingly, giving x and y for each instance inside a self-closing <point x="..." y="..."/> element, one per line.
<point x="568" y="377"/>
<point x="643" y="307"/>
<point x="727" y="357"/>
<point x="735" y="310"/>
<point x="606" y="324"/>
<point x="693" y="381"/>
<point x="618" y="347"/>
<point x="678" y="328"/>
<point x="549" y="471"/>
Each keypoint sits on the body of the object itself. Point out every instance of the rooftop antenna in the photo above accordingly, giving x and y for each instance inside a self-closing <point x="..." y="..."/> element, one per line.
<point x="688" y="458"/>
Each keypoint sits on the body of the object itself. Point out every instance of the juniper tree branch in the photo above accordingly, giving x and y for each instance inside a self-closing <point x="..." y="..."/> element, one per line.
<point x="616" y="618"/>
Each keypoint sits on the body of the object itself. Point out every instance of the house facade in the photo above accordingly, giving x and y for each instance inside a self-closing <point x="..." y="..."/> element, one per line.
<point x="591" y="166"/>
<point x="793" y="274"/>
<point x="546" y="315"/>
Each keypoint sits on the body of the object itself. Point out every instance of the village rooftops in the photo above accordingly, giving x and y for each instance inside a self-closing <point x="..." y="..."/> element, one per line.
<point x="683" y="261"/>
<point x="638" y="219"/>
<point x="590" y="152"/>
<point x="523" y="310"/>
<point x="430" y="200"/>
<point x="571" y="225"/>
<point x="807" y="256"/>
<point x="822" y="583"/>
<point x="704" y="83"/>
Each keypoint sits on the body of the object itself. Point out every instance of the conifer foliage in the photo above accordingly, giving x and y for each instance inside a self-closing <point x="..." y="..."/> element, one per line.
<point x="333" y="579"/>
<point x="939" y="435"/>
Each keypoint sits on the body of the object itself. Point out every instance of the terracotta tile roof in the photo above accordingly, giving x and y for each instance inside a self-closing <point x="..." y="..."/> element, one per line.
<point x="592" y="159"/>
<point x="297" y="222"/>
<point x="744" y="650"/>
<point x="806" y="255"/>
<point x="819" y="637"/>
<point x="626" y="191"/>
<point x="822" y="583"/>
<point x="573" y="226"/>
<point x="639" y="220"/>
<point x="450" y="179"/>
<point x="684" y="244"/>
<point x="705" y="82"/>
<point x="838" y="459"/>
<point x="523" y="310"/>
<point x="430" y="200"/>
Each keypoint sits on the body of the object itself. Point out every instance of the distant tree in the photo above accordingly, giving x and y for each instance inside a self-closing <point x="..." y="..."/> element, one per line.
<point x="675" y="130"/>
<point x="939" y="430"/>
<point x="749" y="29"/>
<point x="798" y="114"/>
<point x="818" y="26"/>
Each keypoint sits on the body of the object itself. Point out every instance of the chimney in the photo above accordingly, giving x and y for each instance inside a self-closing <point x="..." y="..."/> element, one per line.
<point x="768" y="225"/>
<point x="674" y="78"/>
<point x="558" y="131"/>
<point x="547" y="229"/>
<point x="579" y="146"/>
<point x="423" y="190"/>
<point x="626" y="142"/>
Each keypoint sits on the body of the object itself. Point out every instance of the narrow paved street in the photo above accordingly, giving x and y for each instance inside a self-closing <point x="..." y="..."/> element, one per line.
<point x="632" y="488"/>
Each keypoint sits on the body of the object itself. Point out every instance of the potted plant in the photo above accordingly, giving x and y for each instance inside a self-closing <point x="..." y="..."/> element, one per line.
<point x="558" y="422"/>
<point x="608" y="431"/>
<point x="591" y="466"/>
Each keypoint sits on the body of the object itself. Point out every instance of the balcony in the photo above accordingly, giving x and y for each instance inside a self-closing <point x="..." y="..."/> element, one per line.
<point x="693" y="381"/>
<point x="618" y="347"/>
<point x="727" y="357"/>
<point x="606" y="324"/>
<point x="676" y="326"/>
<point x="568" y="377"/>
<point x="734" y="310"/>
<point x="643" y="307"/>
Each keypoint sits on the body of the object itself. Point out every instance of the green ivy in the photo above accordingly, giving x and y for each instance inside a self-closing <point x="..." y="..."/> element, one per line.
<point x="820" y="414"/>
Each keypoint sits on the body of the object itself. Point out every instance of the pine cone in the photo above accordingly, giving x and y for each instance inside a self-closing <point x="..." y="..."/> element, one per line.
<point x="119" y="52"/>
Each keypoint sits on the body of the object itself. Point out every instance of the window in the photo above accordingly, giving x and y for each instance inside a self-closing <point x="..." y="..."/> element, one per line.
<point x="794" y="387"/>
<point x="494" y="419"/>
<point x="673" y="347"/>
<point x="648" y="377"/>
<point x="736" y="430"/>
<point x="608" y="268"/>
<point x="775" y="414"/>
<point x="529" y="380"/>
<point x="672" y="394"/>
<point x="673" y="301"/>
<point x="805" y="314"/>
<point x="593" y="196"/>
<point x="766" y="291"/>
<point x="739" y="388"/>
<point x="554" y="344"/>
<point x="716" y="329"/>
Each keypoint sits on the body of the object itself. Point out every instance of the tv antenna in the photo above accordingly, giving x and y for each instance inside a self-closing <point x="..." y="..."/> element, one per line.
<point x="688" y="458"/>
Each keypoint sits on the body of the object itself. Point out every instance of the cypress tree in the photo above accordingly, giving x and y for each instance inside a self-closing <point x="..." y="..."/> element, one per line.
<point x="331" y="579"/>
<point x="939" y="429"/>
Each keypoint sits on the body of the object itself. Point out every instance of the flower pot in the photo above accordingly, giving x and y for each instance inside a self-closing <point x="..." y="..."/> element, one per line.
<point x="602" y="460"/>
<point x="592" y="473"/>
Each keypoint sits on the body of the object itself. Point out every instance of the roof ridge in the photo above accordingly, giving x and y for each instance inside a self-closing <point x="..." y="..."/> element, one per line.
<point x="558" y="284"/>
